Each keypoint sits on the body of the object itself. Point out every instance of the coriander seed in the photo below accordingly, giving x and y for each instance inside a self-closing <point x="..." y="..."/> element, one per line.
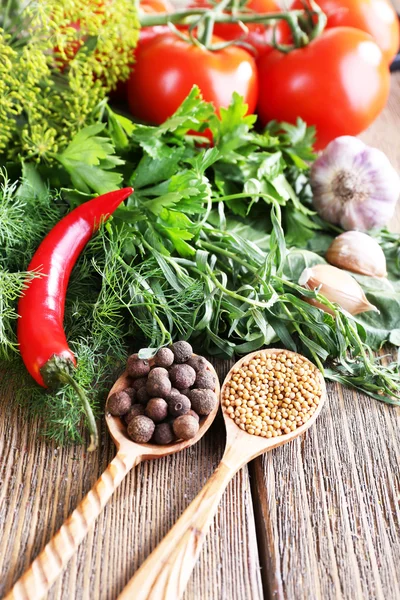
<point x="271" y="394"/>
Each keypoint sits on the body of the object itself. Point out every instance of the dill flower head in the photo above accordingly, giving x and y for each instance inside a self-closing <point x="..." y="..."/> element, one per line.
<point x="58" y="60"/>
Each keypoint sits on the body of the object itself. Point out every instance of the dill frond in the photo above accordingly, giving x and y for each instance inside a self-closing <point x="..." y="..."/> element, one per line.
<point x="60" y="411"/>
<point x="54" y="72"/>
<point x="26" y="216"/>
<point x="11" y="288"/>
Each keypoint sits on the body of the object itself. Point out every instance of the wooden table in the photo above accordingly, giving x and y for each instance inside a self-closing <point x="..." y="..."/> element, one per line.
<point x="316" y="519"/>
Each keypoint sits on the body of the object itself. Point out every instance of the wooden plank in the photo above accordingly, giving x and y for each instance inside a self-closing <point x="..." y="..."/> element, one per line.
<point x="384" y="134"/>
<point x="327" y="506"/>
<point x="40" y="485"/>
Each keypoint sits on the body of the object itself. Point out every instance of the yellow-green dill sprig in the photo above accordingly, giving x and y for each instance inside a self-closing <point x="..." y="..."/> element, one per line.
<point x="68" y="55"/>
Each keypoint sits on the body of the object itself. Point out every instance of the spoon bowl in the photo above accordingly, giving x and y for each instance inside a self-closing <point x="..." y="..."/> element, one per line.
<point x="148" y="451"/>
<point x="259" y="445"/>
<point x="166" y="571"/>
<point x="37" y="580"/>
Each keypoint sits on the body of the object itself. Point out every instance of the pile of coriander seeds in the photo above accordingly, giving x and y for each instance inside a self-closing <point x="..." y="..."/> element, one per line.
<point x="272" y="393"/>
<point x="167" y="397"/>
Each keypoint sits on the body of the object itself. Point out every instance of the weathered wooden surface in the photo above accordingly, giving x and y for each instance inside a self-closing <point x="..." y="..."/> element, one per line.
<point x="41" y="485"/>
<point x="326" y="507"/>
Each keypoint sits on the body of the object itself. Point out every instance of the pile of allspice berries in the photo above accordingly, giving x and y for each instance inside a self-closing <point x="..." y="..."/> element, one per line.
<point x="168" y="395"/>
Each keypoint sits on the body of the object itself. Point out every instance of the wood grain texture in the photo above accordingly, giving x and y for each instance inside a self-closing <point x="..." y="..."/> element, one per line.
<point x="40" y="485"/>
<point x="385" y="134"/>
<point x="167" y="570"/>
<point x="327" y="506"/>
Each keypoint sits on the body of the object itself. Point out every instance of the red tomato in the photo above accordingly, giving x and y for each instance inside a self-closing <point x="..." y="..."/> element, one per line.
<point x="376" y="17"/>
<point x="156" y="6"/>
<point x="146" y="34"/>
<point x="259" y="35"/>
<point x="339" y="82"/>
<point x="167" y="68"/>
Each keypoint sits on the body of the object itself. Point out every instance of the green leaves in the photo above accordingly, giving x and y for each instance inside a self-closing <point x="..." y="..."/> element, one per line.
<point x="151" y="170"/>
<point x="90" y="161"/>
<point x="11" y="288"/>
<point x="231" y="129"/>
<point x="209" y="248"/>
<point x="192" y="116"/>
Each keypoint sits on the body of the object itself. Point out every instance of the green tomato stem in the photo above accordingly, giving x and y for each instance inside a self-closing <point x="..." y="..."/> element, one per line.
<point x="205" y="19"/>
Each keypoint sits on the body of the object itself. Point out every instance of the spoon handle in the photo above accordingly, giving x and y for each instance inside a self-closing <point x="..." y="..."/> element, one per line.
<point x="37" y="580"/>
<point x="166" y="571"/>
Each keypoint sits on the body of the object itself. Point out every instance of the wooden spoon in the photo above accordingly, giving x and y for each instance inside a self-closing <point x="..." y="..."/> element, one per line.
<point x="165" y="573"/>
<point x="45" y="569"/>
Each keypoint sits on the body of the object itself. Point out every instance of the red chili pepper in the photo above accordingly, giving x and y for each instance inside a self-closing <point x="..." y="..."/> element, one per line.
<point x="42" y="341"/>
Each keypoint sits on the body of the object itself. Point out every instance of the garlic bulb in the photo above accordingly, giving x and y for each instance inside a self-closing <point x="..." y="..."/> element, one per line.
<point x="354" y="185"/>
<point x="337" y="286"/>
<point x="358" y="252"/>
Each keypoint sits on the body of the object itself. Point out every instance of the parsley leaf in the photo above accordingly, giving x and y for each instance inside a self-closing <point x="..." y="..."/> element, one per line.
<point x="90" y="161"/>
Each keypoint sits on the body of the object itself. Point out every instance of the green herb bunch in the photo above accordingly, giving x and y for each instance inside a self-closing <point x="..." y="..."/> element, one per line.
<point x="209" y="248"/>
<point x="59" y="59"/>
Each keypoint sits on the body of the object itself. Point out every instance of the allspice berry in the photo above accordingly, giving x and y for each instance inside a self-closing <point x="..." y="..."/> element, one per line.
<point x="182" y="351"/>
<point x="134" y="411"/>
<point x="142" y="396"/>
<point x="174" y="392"/>
<point x="185" y="427"/>
<point x="131" y="393"/>
<point x="141" y="429"/>
<point x="139" y="383"/>
<point x="137" y="367"/>
<point x="158" y="387"/>
<point x="159" y="372"/>
<point x="164" y="357"/>
<point x="157" y="409"/>
<point x="205" y="380"/>
<point x="182" y="376"/>
<point x="194" y="414"/>
<point x="198" y="363"/>
<point x="203" y="401"/>
<point x="163" y="434"/>
<point x="118" y="404"/>
<point x="178" y="405"/>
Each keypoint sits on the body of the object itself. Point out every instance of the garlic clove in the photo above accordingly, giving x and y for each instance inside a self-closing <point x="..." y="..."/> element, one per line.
<point x="354" y="185"/>
<point x="338" y="287"/>
<point x="357" y="252"/>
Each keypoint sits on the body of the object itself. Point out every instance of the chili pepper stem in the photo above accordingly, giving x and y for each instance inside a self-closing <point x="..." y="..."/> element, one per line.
<point x="94" y="436"/>
<point x="58" y="370"/>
